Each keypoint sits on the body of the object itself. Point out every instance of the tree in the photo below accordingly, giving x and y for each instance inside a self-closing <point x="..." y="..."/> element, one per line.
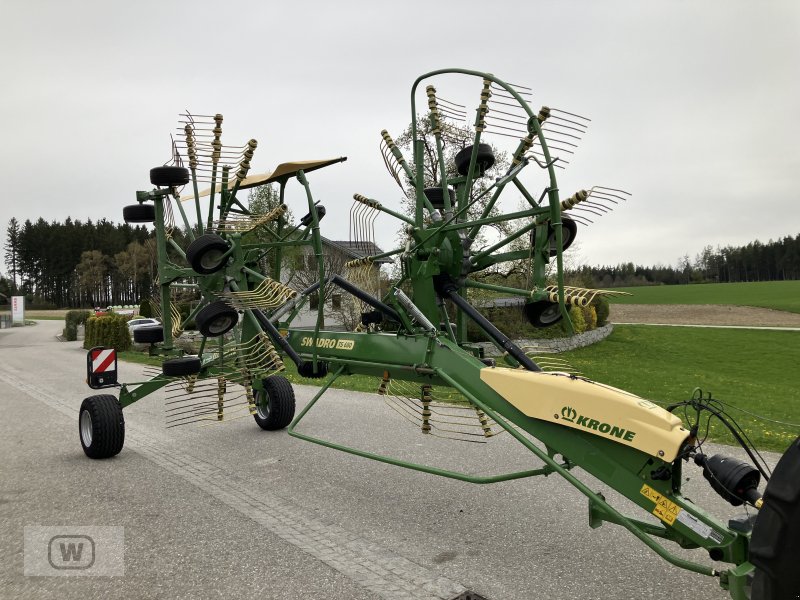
<point x="454" y="139"/>
<point x="260" y="201"/>
<point x="92" y="273"/>
<point x="12" y="250"/>
<point x="133" y="264"/>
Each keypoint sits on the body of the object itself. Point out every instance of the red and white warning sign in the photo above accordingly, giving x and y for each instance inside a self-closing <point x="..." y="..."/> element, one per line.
<point x="104" y="359"/>
<point x="101" y="367"/>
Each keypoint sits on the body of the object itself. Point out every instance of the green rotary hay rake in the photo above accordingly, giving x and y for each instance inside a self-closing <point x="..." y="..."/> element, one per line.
<point x="413" y="337"/>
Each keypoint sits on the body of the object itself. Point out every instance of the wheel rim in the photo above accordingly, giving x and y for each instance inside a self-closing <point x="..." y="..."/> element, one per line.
<point x="211" y="259"/>
<point x="262" y="405"/>
<point x="221" y="325"/>
<point x="550" y="314"/>
<point x="86" y="428"/>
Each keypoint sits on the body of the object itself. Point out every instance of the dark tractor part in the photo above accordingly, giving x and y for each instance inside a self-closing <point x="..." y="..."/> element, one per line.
<point x="169" y="176"/>
<point x="306" y="369"/>
<point x="436" y="197"/>
<point x="151" y="334"/>
<point x="308" y="219"/>
<point x="446" y="288"/>
<point x="205" y="254"/>
<point x="542" y="313"/>
<point x="101" y="426"/>
<point x="775" y="543"/>
<point x="216" y="319"/>
<point x="371" y="317"/>
<point x="274" y="404"/>
<point x="180" y="367"/>
<point x="483" y="162"/>
<point x="139" y="213"/>
<point x="348" y="287"/>
<point x="733" y="479"/>
<point x="569" y="229"/>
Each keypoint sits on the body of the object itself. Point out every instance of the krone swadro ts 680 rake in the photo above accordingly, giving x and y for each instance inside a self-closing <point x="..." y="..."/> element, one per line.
<point x="413" y="337"/>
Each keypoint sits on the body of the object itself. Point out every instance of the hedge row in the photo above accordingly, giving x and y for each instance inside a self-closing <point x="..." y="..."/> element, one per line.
<point x="72" y="319"/>
<point x="110" y="331"/>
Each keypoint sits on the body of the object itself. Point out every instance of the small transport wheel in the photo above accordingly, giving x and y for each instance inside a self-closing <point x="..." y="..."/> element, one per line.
<point x="569" y="229"/>
<point x="180" y="367"/>
<point x="483" y="162"/>
<point x="204" y="254"/>
<point x="150" y="334"/>
<point x="139" y="213"/>
<point x="775" y="542"/>
<point x="216" y="319"/>
<point x="274" y="404"/>
<point x="542" y="313"/>
<point x="101" y="426"/>
<point x="169" y="176"/>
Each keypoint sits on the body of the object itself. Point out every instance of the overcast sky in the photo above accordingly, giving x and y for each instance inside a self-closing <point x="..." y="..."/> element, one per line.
<point x="694" y="105"/>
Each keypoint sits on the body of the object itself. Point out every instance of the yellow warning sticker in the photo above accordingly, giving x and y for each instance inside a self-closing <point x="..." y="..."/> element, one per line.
<point x="665" y="509"/>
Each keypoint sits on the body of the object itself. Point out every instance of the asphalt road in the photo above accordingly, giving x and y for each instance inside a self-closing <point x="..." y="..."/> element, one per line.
<point x="233" y="511"/>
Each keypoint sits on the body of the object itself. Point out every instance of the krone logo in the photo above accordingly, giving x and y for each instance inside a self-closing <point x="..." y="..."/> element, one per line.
<point x="569" y="414"/>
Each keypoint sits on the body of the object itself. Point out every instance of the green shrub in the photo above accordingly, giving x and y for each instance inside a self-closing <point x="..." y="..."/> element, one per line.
<point x="590" y="316"/>
<point x="72" y="319"/>
<point x="110" y="331"/>
<point x="578" y="321"/>
<point x="512" y="322"/>
<point x="70" y="332"/>
<point x="602" y="309"/>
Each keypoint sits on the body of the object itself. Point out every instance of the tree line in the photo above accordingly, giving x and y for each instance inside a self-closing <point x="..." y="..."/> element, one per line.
<point x="98" y="263"/>
<point x="75" y="263"/>
<point x="772" y="261"/>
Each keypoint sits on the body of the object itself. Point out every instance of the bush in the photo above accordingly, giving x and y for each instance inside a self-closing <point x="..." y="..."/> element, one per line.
<point x="578" y="321"/>
<point x="512" y="322"/>
<point x="602" y="309"/>
<point x="72" y="319"/>
<point x="110" y="331"/>
<point x="590" y="316"/>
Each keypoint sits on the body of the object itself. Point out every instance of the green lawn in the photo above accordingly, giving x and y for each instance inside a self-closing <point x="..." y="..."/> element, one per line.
<point x="780" y="295"/>
<point x="751" y="369"/>
<point x="755" y="370"/>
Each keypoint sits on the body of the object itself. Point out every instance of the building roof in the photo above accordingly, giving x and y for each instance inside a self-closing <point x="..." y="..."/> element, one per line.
<point x="358" y="249"/>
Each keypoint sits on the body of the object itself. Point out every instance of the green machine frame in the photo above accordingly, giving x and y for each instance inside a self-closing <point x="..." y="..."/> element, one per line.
<point x="438" y="265"/>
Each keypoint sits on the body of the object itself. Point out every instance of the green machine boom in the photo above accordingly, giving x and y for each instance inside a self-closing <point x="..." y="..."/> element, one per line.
<point x="412" y="335"/>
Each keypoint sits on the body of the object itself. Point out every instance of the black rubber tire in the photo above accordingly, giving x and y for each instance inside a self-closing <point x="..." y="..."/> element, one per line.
<point x="169" y="176"/>
<point x="543" y="313"/>
<point x="306" y="369"/>
<point x="483" y="162"/>
<point x="203" y="253"/>
<point x="216" y="319"/>
<point x="150" y="334"/>
<point x="775" y="542"/>
<point x="139" y="213"/>
<point x="182" y="366"/>
<point x="436" y="197"/>
<point x="101" y="426"/>
<point x="569" y="230"/>
<point x="278" y="410"/>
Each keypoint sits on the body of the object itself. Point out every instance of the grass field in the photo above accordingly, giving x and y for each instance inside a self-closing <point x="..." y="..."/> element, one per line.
<point x="779" y="295"/>
<point x="753" y="370"/>
<point x="750" y="369"/>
